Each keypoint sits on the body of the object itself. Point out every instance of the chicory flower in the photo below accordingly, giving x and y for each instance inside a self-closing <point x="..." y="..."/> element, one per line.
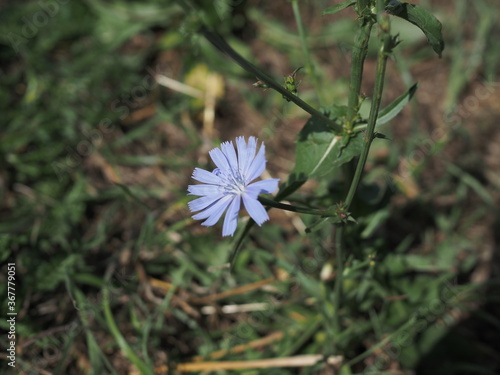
<point x="230" y="183"/>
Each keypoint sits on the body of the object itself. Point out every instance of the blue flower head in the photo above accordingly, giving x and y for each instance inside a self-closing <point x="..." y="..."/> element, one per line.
<point x="227" y="185"/>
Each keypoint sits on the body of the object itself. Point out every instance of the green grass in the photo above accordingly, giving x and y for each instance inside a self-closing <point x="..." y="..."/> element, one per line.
<point x="96" y="159"/>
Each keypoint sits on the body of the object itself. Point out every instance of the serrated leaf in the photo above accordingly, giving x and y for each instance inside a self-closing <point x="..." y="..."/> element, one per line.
<point x="421" y="18"/>
<point x="337" y="8"/>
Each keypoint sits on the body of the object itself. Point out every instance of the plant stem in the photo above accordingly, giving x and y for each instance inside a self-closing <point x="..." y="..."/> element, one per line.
<point x="359" y="52"/>
<point x="356" y="74"/>
<point x="302" y="210"/>
<point x="385" y="49"/>
<point x="305" y="50"/>
<point x="223" y="46"/>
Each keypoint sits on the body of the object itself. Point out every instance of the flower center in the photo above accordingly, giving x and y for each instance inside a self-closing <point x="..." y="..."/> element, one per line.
<point x="233" y="182"/>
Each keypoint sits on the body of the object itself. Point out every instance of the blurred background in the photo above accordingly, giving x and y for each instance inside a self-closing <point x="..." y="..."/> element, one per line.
<point x="106" y="108"/>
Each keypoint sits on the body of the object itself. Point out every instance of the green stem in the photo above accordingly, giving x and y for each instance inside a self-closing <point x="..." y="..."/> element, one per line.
<point x="223" y="46"/>
<point x="120" y="339"/>
<point x="305" y="50"/>
<point x="358" y="58"/>
<point x="386" y="47"/>
<point x="359" y="52"/>
<point x="302" y="210"/>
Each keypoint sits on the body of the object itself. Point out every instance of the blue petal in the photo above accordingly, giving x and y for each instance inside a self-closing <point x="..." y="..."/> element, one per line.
<point x="214" y="212"/>
<point x="202" y="203"/>
<point x="232" y="159"/>
<point x="219" y="159"/>
<point x="206" y="177"/>
<point x="245" y="154"/>
<point x="204" y="190"/>
<point x="255" y="209"/>
<point x="231" y="219"/>
<point x="258" y="165"/>
<point x="262" y="187"/>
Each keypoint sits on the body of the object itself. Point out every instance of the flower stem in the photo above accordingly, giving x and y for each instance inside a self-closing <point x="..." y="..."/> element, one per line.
<point x="302" y="210"/>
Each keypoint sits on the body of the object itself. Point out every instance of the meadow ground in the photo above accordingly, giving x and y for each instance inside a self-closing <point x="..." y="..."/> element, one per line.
<point x="108" y="106"/>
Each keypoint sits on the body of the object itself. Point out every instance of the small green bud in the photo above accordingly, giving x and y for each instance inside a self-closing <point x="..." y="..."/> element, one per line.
<point x="343" y="214"/>
<point x="290" y="84"/>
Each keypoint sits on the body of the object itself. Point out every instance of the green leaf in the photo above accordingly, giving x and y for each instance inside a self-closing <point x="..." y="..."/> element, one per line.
<point x="127" y="351"/>
<point x="388" y="113"/>
<point x="337" y="8"/>
<point x="421" y="18"/>
<point x="392" y="110"/>
<point x="319" y="151"/>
